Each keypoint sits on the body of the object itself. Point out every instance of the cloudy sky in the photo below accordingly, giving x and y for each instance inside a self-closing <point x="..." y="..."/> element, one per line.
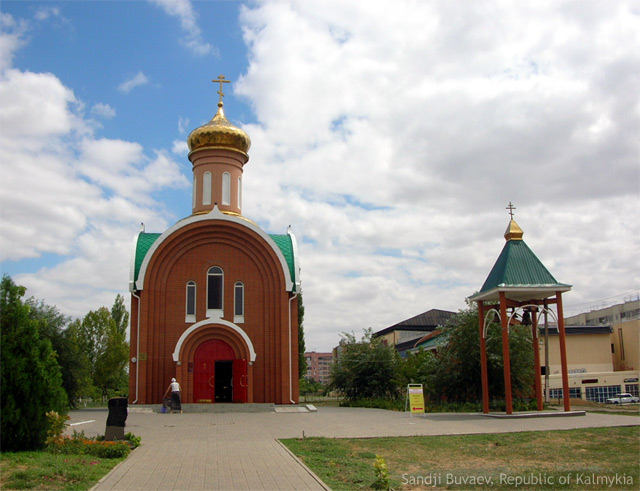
<point x="391" y="136"/>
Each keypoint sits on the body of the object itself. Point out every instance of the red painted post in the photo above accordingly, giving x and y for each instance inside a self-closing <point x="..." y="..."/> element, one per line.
<point x="483" y="359"/>
<point x="563" y="353"/>
<point x="505" y="353"/>
<point x="536" y="358"/>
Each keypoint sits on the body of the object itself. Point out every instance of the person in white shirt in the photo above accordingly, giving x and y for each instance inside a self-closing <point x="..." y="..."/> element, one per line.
<point x="174" y="387"/>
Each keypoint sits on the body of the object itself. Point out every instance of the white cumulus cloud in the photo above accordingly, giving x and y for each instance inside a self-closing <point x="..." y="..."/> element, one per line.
<point x="392" y="139"/>
<point x="183" y="11"/>
<point x="103" y="110"/>
<point x="69" y="194"/>
<point x="136" y="81"/>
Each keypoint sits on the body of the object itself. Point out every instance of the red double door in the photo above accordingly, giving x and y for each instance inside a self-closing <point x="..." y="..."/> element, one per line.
<point x="218" y="376"/>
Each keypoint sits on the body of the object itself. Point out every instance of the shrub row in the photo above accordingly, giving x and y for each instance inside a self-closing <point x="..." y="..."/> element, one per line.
<point x="440" y="407"/>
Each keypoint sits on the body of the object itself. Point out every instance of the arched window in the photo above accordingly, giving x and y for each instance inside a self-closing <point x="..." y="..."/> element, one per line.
<point x="215" y="281"/>
<point x="239" y="192"/>
<point x="206" y="188"/>
<point x="190" y="311"/>
<point x="238" y="302"/>
<point x="226" y="188"/>
<point x="195" y="187"/>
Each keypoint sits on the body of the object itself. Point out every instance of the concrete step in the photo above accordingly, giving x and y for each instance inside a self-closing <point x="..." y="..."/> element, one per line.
<point x="218" y="407"/>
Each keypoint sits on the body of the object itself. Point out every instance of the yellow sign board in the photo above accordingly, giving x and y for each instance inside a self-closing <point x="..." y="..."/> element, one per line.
<point x="416" y="398"/>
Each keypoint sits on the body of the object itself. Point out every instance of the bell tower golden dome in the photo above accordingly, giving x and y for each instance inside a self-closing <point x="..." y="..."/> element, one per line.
<point x="218" y="152"/>
<point x="219" y="132"/>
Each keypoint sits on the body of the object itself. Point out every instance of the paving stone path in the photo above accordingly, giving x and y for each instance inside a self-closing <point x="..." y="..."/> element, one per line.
<point x="193" y="451"/>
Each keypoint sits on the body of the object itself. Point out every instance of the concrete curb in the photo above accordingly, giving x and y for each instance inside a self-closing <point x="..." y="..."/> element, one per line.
<point x="303" y="465"/>
<point x="117" y="466"/>
<point x="559" y="414"/>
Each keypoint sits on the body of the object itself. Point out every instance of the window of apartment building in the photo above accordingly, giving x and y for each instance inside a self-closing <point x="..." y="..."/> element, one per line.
<point x="621" y="343"/>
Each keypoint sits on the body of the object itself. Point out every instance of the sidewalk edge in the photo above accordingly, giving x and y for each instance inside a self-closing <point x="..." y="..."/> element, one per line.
<point x="303" y="465"/>
<point x="113" y="469"/>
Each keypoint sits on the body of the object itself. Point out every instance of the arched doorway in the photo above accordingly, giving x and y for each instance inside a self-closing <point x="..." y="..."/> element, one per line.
<point x="218" y="375"/>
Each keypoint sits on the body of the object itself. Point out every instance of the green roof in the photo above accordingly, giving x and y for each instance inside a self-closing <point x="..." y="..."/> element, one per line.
<point x="435" y="342"/>
<point x="284" y="244"/>
<point x="145" y="241"/>
<point x="517" y="265"/>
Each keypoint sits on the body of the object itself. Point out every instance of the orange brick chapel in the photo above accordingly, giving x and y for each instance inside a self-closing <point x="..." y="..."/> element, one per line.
<point x="213" y="298"/>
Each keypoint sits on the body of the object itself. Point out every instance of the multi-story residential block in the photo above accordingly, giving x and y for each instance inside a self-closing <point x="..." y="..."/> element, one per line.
<point x="318" y="366"/>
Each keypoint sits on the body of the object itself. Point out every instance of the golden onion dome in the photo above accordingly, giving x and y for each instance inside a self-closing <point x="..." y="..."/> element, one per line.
<point x="219" y="133"/>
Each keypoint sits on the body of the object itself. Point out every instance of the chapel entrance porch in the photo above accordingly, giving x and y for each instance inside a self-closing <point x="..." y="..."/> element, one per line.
<point x="218" y="375"/>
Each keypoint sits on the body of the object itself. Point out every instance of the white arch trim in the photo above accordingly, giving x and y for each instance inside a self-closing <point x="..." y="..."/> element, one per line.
<point x="296" y="258"/>
<point x="515" y="310"/>
<point x="132" y="263"/>
<point x="208" y="322"/>
<point x="214" y="214"/>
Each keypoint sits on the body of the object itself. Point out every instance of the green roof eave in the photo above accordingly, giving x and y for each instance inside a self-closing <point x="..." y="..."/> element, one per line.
<point x="519" y="272"/>
<point x="520" y="292"/>
<point x="285" y="244"/>
<point x="517" y="265"/>
<point x="436" y="341"/>
<point x="143" y="244"/>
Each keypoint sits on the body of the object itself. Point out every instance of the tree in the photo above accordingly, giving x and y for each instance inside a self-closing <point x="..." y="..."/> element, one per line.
<point x="31" y="379"/>
<point x="419" y="368"/>
<point x="457" y="375"/>
<point x="101" y="337"/>
<point x="302" y="361"/>
<point x="308" y="386"/>
<point x="120" y="315"/>
<point x="74" y="368"/>
<point x="365" y="368"/>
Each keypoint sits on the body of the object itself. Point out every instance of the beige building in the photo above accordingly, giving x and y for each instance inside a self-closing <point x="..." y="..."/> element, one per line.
<point x="602" y="360"/>
<point x="588" y="349"/>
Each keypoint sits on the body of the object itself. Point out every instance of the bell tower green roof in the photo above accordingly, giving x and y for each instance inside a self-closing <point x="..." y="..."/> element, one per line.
<point x="518" y="272"/>
<point x="517" y="265"/>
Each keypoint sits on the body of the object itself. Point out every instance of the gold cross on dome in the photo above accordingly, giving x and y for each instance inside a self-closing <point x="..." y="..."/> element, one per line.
<point x="221" y="80"/>
<point x="510" y="208"/>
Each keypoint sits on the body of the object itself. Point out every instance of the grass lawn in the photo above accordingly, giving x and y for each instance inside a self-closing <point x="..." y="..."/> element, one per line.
<point x="589" y="458"/>
<point x="44" y="470"/>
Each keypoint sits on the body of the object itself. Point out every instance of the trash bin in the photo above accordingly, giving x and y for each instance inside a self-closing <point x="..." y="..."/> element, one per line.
<point x="116" y="419"/>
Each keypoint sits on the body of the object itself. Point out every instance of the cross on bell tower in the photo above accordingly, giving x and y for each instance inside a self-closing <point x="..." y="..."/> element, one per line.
<point x="221" y="80"/>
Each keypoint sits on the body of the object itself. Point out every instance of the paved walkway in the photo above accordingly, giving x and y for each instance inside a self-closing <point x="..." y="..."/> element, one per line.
<point x="239" y="450"/>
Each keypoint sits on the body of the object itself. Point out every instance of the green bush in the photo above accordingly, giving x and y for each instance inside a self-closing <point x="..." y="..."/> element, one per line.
<point x="134" y="441"/>
<point x="56" y="423"/>
<point x="365" y="369"/>
<point x="382" y="474"/>
<point x="378" y="403"/>
<point x="110" y="450"/>
<point x="31" y="380"/>
<point x="440" y="407"/>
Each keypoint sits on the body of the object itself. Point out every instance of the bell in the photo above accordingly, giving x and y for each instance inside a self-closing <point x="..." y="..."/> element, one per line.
<point x="526" y="318"/>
